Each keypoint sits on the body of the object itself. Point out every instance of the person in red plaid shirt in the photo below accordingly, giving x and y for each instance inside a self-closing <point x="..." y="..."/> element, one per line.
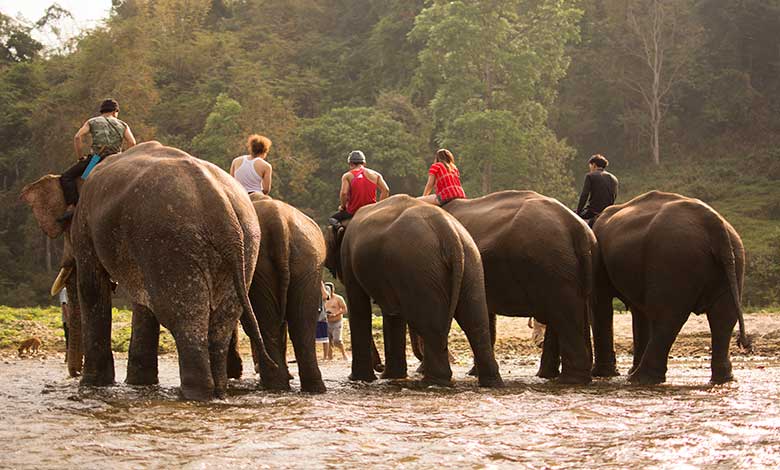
<point x="444" y="175"/>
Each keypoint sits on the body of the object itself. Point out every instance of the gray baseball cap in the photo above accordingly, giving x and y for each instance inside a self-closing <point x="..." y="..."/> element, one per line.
<point x="356" y="156"/>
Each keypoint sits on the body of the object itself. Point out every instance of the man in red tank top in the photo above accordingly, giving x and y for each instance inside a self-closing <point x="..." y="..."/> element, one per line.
<point x="358" y="188"/>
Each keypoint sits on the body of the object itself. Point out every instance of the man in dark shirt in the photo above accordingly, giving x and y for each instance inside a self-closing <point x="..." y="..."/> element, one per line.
<point x="599" y="191"/>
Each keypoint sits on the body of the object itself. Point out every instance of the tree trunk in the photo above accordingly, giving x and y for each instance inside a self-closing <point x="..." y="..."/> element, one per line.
<point x="487" y="177"/>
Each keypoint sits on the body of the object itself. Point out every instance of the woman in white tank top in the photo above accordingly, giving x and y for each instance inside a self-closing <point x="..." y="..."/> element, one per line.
<point x="252" y="171"/>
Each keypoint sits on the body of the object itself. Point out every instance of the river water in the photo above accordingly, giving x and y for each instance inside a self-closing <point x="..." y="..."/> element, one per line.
<point x="46" y="421"/>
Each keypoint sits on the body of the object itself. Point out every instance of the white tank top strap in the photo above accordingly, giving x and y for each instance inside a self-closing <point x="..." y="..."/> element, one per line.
<point x="248" y="176"/>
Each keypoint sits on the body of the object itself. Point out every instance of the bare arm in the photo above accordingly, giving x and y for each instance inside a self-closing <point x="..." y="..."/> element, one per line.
<point x="78" y="139"/>
<point x="267" y="179"/>
<point x="233" y="168"/>
<point x="344" y="192"/>
<point x="429" y="185"/>
<point x="129" y="138"/>
<point x="384" y="190"/>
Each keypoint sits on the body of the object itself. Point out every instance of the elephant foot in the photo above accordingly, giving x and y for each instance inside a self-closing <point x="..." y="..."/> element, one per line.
<point x="394" y="374"/>
<point x="721" y="375"/>
<point x="573" y="379"/>
<point x="643" y="378"/>
<point x="473" y="371"/>
<point x="197" y="394"/>
<point x="98" y="380"/>
<point x="142" y="377"/>
<point x="605" y="370"/>
<point x="276" y="385"/>
<point x="234" y="369"/>
<point x="548" y="373"/>
<point x="436" y="381"/>
<point x="362" y="377"/>
<point x="313" y="387"/>
<point x="74" y="372"/>
<point x="494" y="381"/>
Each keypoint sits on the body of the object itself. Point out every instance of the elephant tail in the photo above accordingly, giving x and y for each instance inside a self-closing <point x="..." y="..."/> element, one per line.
<point x="725" y="254"/>
<point x="458" y="260"/>
<point x="584" y="246"/>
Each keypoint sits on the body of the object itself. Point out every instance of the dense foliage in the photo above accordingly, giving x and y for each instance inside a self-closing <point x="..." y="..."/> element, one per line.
<point x="682" y="95"/>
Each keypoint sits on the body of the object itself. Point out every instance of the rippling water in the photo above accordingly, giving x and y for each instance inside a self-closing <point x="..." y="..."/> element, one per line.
<point x="46" y="422"/>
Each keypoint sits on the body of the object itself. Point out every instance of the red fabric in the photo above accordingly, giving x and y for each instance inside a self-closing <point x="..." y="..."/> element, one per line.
<point x="447" y="182"/>
<point x="362" y="191"/>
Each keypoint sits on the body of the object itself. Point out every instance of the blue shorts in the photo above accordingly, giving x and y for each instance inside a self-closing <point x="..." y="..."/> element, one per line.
<point x="322" y="332"/>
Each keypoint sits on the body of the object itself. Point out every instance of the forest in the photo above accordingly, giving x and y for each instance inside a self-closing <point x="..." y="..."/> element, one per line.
<point x="679" y="95"/>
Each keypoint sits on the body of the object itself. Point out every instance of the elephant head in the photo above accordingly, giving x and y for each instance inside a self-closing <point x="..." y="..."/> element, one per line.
<point x="47" y="202"/>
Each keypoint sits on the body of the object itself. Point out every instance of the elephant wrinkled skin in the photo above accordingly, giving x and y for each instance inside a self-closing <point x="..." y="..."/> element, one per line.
<point x="665" y="256"/>
<point x="181" y="237"/>
<point x="422" y="268"/>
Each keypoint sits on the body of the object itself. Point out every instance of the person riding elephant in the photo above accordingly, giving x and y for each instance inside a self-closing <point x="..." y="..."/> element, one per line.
<point x="425" y="283"/>
<point x="536" y="256"/>
<point x="665" y="256"/>
<point x="285" y="291"/>
<point x="181" y="237"/>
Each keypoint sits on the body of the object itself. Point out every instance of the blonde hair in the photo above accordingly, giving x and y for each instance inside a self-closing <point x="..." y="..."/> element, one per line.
<point x="258" y="144"/>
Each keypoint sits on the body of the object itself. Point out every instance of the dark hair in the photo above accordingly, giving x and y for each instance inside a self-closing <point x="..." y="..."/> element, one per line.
<point x="599" y="160"/>
<point x="258" y="144"/>
<point x="446" y="157"/>
<point x="109" y="106"/>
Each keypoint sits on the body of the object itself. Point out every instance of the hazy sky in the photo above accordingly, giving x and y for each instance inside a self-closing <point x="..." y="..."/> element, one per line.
<point x="86" y="14"/>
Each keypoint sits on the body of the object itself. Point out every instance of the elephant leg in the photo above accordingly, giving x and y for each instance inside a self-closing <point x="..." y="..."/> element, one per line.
<point x="640" y="326"/>
<point x="417" y="349"/>
<point x="192" y="346"/>
<point x="437" y="364"/>
<point x="235" y="365"/>
<point x="477" y="331"/>
<point x="75" y="354"/>
<point x="604" y="361"/>
<point x="94" y="289"/>
<point x="359" y="305"/>
<point x="302" y="324"/>
<point x="663" y="332"/>
<point x="549" y="367"/>
<point x="722" y="317"/>
<point x="394" y="329"/>
<point x="144" y="345"/>
<point x="492" y="323"/>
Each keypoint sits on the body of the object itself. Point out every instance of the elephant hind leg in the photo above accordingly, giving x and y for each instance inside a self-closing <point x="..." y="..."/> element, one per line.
<point x="663" y="332"/>
<point x="144" y="346"/>
<point x="437" y="365"/>
<point x="359" y="306"/>
<point x="477" y="330"/>
<point x="192" y="347"/>
<point x="549" y="367"/>
<point x="640" y="326"/>
<point x="235" y="366"/>
<point x="722" y="317"/>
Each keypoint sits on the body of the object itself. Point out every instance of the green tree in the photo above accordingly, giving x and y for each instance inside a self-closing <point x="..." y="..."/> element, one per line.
<point x="220" y="140"/>
<point x="493" y="63"/>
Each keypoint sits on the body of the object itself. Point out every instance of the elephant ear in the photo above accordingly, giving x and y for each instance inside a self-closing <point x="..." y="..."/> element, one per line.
<point x="47" y="202"/>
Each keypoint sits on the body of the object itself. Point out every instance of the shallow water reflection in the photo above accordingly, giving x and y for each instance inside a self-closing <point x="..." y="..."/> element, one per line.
<point x="47" y="421"/>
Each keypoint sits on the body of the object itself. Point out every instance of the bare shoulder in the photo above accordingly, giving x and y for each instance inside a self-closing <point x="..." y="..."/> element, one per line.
<point x="261" y="164"/>
<point x="373" y="175"/>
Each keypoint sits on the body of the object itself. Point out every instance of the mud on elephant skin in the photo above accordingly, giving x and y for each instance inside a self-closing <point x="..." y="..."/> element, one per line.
<point x="422" y="268"/>
<point x="537" y="259"/>
<point x="665" y="256"/>
<point x="285" y="291"/>
<point x="181" y="237"/>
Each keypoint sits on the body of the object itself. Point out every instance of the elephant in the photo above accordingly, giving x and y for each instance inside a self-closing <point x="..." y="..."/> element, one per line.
<point x="666" y="255"/>
<point x="182" y="239"/>
<point x="422" y="268"/>
<point x="536" y="255"/>
<point x="285" y="291"/>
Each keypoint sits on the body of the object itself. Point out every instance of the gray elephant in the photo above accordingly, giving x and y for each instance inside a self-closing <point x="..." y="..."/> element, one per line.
<point x="537" y="258"/>
<point x="665" y="256"/>
<point x="285" y="291"/>
<point x="422" y="268"/>
<point x="182" y="238"/>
